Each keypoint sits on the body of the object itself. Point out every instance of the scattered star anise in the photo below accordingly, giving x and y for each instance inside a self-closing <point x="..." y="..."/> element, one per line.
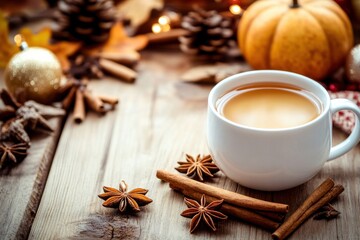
<point x="18" y="118"/>
<point x="76" y="94"/>
<point x="12" y="152"/>
<point x="124" y="200"/>
<point x="201" y="212"/>
<point x="198" y="167"/>
<point x="326" y="212"/>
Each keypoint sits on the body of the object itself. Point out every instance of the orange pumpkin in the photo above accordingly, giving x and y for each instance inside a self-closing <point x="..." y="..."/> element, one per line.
<point x="310" y="37"/>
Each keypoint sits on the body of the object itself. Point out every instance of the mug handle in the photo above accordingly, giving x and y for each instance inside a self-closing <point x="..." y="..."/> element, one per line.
<point x="354" y="137"/>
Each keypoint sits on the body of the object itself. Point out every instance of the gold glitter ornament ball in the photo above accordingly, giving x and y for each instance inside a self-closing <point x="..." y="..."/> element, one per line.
<point x="34" y="74"/>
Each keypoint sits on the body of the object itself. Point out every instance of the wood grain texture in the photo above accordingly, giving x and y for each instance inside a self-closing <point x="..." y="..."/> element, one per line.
<point x="21" y="187"/>
<point x="157" y="121"/>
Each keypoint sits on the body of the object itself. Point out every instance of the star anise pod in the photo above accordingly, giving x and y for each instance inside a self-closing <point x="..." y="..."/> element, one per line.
<point x="326" y="212"/>
<point x="201" y="212"/>
<point x="8" y="111"/>
<point x="12" y="152"/>
<point x="124" y="200"/>
<point x="198" y="167"/>
<point x="77" y="94"/>
<point x="17" y="118"/>
<point x="14" y="129"/>
<point x="83" y="66"/>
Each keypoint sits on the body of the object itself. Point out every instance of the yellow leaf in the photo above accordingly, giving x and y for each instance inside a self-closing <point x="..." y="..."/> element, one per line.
<point x="7" y="49"/>
<point x="40" y="39"/>
<point x="64" y="49"/>
<point x="138" y="11"/>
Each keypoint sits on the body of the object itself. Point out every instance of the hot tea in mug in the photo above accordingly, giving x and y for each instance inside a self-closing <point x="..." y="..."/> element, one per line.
<point x="272" y="130"/>
<point x="269" y="105"/>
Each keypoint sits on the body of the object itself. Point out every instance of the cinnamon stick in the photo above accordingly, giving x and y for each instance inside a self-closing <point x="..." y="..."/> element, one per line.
<point x="8" y="99"/>
<point x="128" y="58"/>
<point x="66" y="103"/>
<point x="94" y="102"/>
<point x="230" y="197"/>
<point x="323" y="194"/>
<point x="164" y="37"/>
<point x="277" y="217"/>
<point x="332" y="194"/>
<point x="7" y="112"/>
<point x="79" y="108"/>
<point x="274" y="216"/>
<point x="118" y="70"/>
<point x="237" y="212"/>
<point x="66" y="86"/>
<point x="110" y="100"/>
<point x="313" y="198"/>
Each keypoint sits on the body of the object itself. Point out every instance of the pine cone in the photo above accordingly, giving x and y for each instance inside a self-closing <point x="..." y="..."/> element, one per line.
<point x="209" y="33"/>
<point x="89" y="21"/>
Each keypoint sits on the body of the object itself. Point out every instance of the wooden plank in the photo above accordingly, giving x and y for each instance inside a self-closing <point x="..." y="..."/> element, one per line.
<point x="21" y="187"/>
<point x="157" y="122"/>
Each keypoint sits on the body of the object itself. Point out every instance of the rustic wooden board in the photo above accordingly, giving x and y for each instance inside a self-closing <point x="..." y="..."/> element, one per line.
<point x="21" y="187"/>
<point x="158" y="120"/>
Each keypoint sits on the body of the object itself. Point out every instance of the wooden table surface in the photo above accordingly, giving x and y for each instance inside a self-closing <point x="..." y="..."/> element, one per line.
<point x="158" y="120"/>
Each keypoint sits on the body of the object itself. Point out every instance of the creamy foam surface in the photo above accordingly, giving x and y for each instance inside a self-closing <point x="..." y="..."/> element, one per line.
<point x="269" y="107"/>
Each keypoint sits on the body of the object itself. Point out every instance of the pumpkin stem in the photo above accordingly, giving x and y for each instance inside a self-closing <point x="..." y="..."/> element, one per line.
<point x="295" y="4"/>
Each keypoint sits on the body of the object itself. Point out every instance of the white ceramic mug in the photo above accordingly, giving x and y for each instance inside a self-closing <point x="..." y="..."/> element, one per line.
<point x="275" y="159"/>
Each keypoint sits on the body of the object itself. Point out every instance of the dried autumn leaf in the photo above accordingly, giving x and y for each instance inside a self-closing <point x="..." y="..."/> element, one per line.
<point x="39" y="39"/>
<point x="42" y="39"/>
<point x="138" y="15"/>
<point x="119" y="41"/>
<point x="212" y="73"/>
<point x="22" y="5"/>
<point x="62" y="50"/>
<point x="7" y="49"/>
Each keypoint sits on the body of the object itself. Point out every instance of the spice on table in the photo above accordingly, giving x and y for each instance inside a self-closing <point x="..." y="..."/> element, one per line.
<point x="198" y="167"/>
<point x="230" y="197"/>
<point x="326" y="192"/>
<point x="269" y="221"/>
<point x="118" y="70"/>
<point x="124" y="200"/>
<point x="85" y="66"/>
<point x="12" y="152"/>
<point x="264" y="214"/>
<point x="212" y="73"/>
<point x="20" y="118"/>
<point x="203" y="212"/>
<point x="326" y="212"/>
<point x="77" y="94"/>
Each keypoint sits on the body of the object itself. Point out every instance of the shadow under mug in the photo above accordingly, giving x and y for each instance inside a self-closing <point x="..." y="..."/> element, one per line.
<point x="275" y="159"/>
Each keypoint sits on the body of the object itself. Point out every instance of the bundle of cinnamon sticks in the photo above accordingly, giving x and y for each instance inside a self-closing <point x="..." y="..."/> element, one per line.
<point x="322" y="195"/>
<point x="77" y="94"/>
<point x="267" y="215"/>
